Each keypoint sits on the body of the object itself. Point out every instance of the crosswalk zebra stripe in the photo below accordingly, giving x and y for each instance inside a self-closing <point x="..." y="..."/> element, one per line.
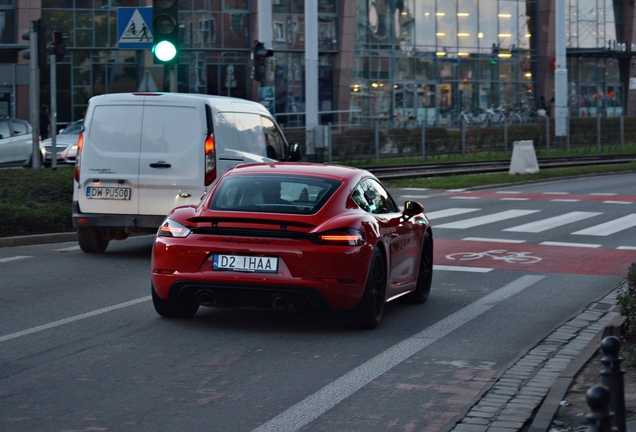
<point x="553" y="222"/>
<point x="610" y="227"/>
<point x="450" y="212"/>
<point x="483" y="220"/>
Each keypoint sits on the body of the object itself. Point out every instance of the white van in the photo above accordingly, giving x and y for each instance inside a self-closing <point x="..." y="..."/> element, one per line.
<point x="142" y="154"/>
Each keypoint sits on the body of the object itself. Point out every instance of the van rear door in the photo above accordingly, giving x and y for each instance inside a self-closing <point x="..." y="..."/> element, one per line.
<point x="110" y="158"/>
<point x="171" y="162"/>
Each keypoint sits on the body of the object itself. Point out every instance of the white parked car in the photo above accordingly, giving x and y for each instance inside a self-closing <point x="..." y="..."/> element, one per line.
<point x="65" y="145"/>
<point x="16" y="143"/>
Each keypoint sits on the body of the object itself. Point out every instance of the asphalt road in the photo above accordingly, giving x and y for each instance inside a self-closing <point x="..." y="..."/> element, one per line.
<point x="81" y="347"/>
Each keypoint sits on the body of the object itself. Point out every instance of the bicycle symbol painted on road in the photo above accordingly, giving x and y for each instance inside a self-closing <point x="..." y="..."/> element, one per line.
<point x="496" y="254"/>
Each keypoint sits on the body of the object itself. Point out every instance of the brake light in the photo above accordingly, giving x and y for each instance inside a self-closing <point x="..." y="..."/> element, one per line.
<point x="346" y="237"/>
<point x="170" y="228"/>
<point x="78" y="157"/>
<point x="210" y="160"/>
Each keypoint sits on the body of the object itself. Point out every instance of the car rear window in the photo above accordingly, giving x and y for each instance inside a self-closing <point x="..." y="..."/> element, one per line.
<point x="283" y="194"/>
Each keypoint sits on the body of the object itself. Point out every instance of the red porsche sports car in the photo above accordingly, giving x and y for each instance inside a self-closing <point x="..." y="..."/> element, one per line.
<point x="293" y="236"/>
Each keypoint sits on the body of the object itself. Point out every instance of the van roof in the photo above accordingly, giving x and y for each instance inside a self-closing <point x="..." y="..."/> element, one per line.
<point x="221" y="103"/>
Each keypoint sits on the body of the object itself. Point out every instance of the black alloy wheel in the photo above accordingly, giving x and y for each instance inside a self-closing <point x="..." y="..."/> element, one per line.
<point x="424" y="274"/>
<point x="368" y="313"/>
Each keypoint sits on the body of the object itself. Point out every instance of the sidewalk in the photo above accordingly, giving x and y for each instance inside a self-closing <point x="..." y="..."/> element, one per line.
<point x="527" y="396"/>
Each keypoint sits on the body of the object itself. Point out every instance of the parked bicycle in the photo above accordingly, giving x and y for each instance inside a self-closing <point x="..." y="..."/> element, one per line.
<point x="468" y="119"/>
<point x="499" y="116"/>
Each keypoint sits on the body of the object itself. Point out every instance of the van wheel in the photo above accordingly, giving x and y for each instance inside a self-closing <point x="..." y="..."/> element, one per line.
<point x="173" y="308"/>
<point x="368" y="313"/>
<point x="92" y="241"/>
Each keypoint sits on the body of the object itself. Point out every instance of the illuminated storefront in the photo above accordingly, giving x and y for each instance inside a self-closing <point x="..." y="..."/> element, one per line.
<point x="393" y="60"/>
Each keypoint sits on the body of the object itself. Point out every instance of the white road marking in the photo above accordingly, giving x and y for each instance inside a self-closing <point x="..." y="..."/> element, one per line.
<point x="312" y="407"/>
<point x="67" y="249"/>
<point x="483" y="220"/>
<point x="610" y="227"/>
<point x="14" y="258"/>
<point x="556" y="193"/>
<point x="617" y="202"/>
<point x="627" y="247"/>
<point x="585" y="245"/>
<point x="493" y="240"/>
<point x="564" y="200"/>
<point x="514" y="199"/>
<point x="603" y="193"/>
<point x="465" y="197"/>
<point x="72" y="319"/>
<point x="449" y="212"/>
<point x="508" y="192"/>
<point x="463" y="269"/>
<point x="553" y="222"/>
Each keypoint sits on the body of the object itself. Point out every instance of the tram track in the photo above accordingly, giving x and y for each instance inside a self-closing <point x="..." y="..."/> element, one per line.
<point x="484" y="167"/>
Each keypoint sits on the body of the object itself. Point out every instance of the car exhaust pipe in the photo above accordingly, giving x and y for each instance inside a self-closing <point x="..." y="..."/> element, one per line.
<point x="280" y="302"/>
<point x="205" y="298"/>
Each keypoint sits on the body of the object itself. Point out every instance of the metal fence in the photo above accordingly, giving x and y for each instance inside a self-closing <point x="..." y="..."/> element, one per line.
<point x="378" y="140"/>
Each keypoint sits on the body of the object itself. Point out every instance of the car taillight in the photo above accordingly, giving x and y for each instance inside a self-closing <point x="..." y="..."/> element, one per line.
<point x="78" y="157"/>
<point x="345" y="237"/>
<point x="210" y="160"/>
<point x="170" y="228"/>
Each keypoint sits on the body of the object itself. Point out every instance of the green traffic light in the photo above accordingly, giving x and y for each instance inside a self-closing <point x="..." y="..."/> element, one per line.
<point x="165" y="51"/>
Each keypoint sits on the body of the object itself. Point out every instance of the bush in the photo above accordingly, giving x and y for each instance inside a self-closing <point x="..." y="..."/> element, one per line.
<point x="626" y="299"/>
<point x="36" y="201"/>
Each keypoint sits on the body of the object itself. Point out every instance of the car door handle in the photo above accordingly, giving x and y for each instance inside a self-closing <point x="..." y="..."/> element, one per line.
<point x="160" y="165"/>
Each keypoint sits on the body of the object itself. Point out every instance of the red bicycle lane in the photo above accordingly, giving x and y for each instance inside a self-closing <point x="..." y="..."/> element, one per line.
<point x="533" y="257"/>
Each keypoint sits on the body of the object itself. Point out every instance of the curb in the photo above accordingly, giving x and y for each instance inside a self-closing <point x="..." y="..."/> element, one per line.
<point x="37" y="239"/>
<point x="545" y="415"/>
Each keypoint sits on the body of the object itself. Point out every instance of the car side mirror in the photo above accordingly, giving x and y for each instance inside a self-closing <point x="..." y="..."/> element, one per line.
<point x="294" y="152"/>
<point x="412" y="208"/>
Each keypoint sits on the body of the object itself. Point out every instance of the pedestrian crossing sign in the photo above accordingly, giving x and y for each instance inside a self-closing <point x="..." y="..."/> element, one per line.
<point x="134" y="28"/>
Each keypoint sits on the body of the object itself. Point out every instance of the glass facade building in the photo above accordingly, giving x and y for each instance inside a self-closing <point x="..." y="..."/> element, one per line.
<point x="398" y="60"/>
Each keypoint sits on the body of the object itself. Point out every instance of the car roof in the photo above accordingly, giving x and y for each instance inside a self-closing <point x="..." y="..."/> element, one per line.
<point x="336" y="172"/>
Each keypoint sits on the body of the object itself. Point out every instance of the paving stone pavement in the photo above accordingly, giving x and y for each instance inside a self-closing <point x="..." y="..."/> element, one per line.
<point x="527" y="395"/>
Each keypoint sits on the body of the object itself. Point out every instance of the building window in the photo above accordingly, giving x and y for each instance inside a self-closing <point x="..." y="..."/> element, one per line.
<point x="207" y="31"/>
<point x="279" y="31"/>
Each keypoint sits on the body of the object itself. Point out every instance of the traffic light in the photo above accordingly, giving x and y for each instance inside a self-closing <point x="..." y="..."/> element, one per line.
<point x="57" y="48"/>
<point x="165" y="21"/>
<point x="259" y="54"/>
<point x="42" y="54"/>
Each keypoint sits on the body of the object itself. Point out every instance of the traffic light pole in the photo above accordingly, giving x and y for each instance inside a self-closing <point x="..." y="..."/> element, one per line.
<point x="172" y="78"/>
<point x="53" y="111"/>
<point x="34" y="96"/>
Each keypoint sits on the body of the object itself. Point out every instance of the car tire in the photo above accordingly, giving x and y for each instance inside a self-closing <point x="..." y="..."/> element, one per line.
<point x="92" y="241"/>
<point x="168" y="308"/>
<point x="424" y="273"/>
<point x="368" y="313"/>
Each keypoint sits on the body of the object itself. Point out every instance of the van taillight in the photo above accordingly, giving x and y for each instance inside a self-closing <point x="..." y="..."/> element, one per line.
<point x="210" y="160"/>
<point x="78" y="158"/>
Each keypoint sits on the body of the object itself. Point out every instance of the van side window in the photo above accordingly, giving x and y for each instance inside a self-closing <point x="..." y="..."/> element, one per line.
<point x="250" y="135"/>
<point x="275" y="141"/>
